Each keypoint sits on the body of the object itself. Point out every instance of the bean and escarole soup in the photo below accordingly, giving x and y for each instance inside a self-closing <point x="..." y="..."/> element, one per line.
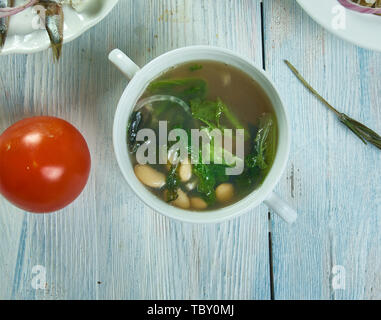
<point x="233" y="152"/>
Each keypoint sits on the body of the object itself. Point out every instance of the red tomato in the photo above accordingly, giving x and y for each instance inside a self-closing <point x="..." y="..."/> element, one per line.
<point x="44" y="164"/>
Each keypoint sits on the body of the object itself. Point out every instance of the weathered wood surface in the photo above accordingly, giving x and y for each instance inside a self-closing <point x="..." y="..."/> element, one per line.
<point x="108" y="245"/>
<point x="333" y="179"/>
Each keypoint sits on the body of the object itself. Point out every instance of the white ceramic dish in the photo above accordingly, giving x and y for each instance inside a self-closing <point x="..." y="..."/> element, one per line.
<point x="140" y="79"/>
<point x="24" y="38"/>
<point x="363" y="30"/>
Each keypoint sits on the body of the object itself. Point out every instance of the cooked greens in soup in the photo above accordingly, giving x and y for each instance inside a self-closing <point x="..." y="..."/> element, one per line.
<point x="211" y="97"/>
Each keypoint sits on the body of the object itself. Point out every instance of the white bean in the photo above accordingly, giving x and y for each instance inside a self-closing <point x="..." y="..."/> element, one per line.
<point x="172" y="156"/>
<point x="198" y="203"/>
<point x="225" y="192"/>
<point x="149" y="176"/>
<point x="192" y="184"/>
<point x="182" y="200"/>
<point x="185" y="170"/>
<point x="226" y="79"/>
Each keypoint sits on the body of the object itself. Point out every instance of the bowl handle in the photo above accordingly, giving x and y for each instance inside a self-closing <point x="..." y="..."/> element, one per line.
<point x="123" y="63"/>
<point x="281" y="208"/>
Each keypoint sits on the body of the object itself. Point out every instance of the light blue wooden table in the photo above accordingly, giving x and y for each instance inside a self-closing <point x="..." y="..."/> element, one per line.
<point x="108" y="245"/>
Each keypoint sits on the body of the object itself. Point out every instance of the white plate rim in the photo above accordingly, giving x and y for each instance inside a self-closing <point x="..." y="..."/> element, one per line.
<point x="44" y="46"/>
<point x="361" y="37"/>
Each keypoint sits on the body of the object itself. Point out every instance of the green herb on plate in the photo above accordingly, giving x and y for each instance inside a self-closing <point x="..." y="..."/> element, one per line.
<point x="361" y="131"/>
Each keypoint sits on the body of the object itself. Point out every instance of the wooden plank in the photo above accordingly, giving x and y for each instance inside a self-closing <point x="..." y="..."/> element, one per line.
<point x="332" y="178"/>
<point x="172" y="260"/>
<point x="64" y="243"/>
<point x="107" y="244"/>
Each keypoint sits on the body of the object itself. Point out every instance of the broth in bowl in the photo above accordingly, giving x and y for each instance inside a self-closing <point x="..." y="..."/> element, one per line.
<point x="202" y="136"/>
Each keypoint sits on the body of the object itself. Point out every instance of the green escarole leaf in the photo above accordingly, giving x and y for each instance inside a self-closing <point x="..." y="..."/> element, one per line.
<point x="208" y="112"/>
<point x="230" y="116"/>
<point x="185" y="89"/>
<point x="211" y="113"/>
<point x="172" y="184"/>
<point x="195" y="67"/>
<point x="264" y="144"/>
<point x="209" y="176"/>
<point x="258" y="162"/>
